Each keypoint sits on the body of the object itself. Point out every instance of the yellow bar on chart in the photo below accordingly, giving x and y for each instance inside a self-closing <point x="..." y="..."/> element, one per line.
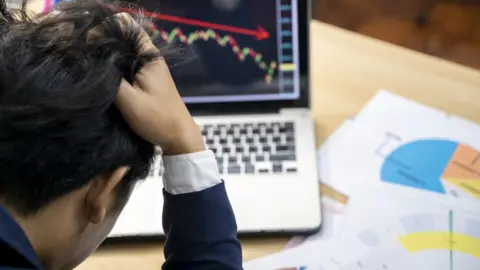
<point x="287" y="67"/>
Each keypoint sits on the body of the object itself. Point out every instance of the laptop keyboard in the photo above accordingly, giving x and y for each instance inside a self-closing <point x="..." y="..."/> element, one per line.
<point x="253" y="148"/>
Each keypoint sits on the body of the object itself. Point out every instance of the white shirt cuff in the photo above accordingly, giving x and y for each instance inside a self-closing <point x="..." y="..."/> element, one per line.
<point x="190" y="172"/>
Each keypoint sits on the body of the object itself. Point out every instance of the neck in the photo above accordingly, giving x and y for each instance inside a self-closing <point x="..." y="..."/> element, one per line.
<point x="36" y="233"/>
<point x="49" y="232"/>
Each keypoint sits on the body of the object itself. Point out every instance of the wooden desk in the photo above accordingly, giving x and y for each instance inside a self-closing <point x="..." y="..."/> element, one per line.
<point x="346" y="69"/>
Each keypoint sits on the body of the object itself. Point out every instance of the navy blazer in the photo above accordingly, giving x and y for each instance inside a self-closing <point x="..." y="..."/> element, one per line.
<point x="200" y="228"/>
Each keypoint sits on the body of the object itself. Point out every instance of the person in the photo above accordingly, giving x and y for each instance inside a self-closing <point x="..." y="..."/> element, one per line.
<point x="86" y="100"/>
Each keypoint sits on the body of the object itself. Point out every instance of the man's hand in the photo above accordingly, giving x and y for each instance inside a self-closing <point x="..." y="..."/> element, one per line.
<point x="154" y="109"/>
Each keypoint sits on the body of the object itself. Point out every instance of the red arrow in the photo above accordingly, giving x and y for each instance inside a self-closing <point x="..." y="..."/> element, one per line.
<point x="260" y="33"/>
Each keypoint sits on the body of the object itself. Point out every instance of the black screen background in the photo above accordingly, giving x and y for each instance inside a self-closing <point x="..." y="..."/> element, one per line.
<point x="205" y="68"/>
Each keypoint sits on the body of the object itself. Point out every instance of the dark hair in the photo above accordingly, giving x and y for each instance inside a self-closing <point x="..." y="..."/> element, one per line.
<point x="59" y="126"/>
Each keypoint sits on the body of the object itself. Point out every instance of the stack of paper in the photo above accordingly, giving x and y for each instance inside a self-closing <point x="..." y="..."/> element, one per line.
<point x="402" y="186"/>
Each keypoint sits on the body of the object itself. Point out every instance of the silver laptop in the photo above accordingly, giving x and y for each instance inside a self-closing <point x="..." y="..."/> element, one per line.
<point x="246" y="83"/>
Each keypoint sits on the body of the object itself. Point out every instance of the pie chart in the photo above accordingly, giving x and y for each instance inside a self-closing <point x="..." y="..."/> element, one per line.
<point x="433" y="164"/>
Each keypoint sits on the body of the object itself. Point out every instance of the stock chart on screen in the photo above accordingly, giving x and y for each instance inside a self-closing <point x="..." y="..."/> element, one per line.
<point x="230" y="50"/>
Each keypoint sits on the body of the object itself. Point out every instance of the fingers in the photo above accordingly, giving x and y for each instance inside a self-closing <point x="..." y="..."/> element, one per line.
<point x="153" y="74"/>
<point x="149" y="76"/>
<point x="156" y="71"/>
<point x="126" y="94"/>
<point x="127" y="21"/>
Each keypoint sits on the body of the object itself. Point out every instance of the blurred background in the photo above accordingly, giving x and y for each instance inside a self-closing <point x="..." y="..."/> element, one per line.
<point x="449" y="29"/>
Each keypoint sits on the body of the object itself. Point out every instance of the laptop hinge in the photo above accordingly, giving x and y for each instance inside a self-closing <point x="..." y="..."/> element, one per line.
<point x="295" y="111"/>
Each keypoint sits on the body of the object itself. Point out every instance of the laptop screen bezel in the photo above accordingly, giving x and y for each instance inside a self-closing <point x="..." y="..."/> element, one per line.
<point x="272" y="105"/>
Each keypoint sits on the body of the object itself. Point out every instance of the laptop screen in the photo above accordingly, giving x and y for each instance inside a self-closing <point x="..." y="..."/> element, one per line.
<point x="231" y="50"/>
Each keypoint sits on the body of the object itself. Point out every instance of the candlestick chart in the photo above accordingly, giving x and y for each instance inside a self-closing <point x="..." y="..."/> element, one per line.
<point x="207" y="35"/>
<point x="223" y="52"/>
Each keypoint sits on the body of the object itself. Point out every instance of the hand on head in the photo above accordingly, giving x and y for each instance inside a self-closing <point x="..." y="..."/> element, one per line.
<point x="154" y="110"/>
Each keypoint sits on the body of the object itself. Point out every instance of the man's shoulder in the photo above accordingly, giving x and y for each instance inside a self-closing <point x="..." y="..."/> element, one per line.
<point x="16" y="252"/>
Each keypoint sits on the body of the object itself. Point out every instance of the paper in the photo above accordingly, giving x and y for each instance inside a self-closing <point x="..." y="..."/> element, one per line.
<point x="324" y="255"/>
<point x="410" y="149"/>
<point x="442" y="238"/>
<point x="410" y="175"/>
<point x="388" y="257"/>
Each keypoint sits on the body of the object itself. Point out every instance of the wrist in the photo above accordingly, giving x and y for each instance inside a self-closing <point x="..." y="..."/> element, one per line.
<point x="182" y="149"/>
<point x="188" y="141"/>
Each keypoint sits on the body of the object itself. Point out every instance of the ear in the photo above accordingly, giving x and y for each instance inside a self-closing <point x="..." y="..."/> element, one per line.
<point x="101" y="194"/>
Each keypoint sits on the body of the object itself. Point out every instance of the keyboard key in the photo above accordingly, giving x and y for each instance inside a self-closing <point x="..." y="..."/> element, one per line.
<point x="287" y="128"/>
<point x="210" y="141"/>
<point x="269" y="130"/>
<point x="214" y="150"/>
<point x="256" y="131"/>
<point x="266" y="148"/>
<point x="243" y="131"/>
<point x="252" y="149"/>
<point x="230" y="132"/>
<point x="236" y="140"/>
<point x="276" y="139"/>
<point x="219" y="160"/>
<point x="282" y="157"/>
<point x="246" y="159"/>
<point x="232" y="159"/>
<point x="249" y="168"/>
<point x="262" y="139"/>
<point x="235" y="169"/>
<point x="285" y="148"/>
<point x="263" y="170"/>
<point x="239" y="149"/>
<point x="290" y="138"/>
<point x="260" y="158"/>
<point x="226" y="150"/>
<point x="277" y="168"/>
<point x="249" y="140"/>
<point x="216" y="132"/>
<point x="291" y="170"/>
<point x="223" y="141"/>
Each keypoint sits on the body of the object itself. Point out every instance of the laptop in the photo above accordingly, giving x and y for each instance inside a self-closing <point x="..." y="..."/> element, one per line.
<point x="246" y="84"/>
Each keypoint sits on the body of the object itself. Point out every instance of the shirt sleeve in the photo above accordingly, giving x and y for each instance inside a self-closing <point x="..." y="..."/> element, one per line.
<point x="190" y="172"/>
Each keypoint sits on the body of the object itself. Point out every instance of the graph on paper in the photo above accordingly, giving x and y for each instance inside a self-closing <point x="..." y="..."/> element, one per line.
<point x="435" y="165"/>
<point x="230" y="49"/>
<point x="443" y="241"/>
<point x="398" y="231"/>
